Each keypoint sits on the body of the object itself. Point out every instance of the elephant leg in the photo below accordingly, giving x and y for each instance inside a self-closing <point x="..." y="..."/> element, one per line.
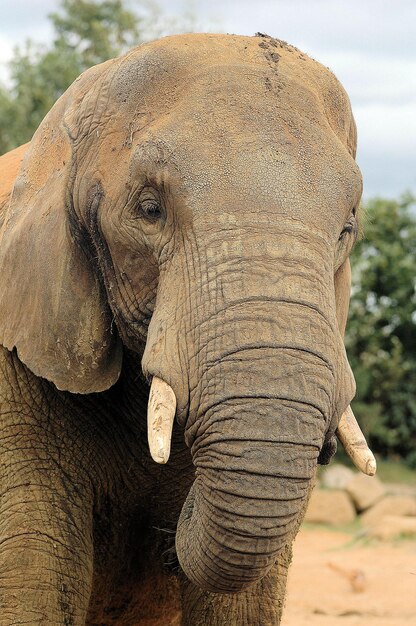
<point x="259" y="605"/>
<point x="46" y="550"/>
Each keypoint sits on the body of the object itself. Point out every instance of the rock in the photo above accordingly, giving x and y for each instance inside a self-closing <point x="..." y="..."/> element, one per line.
<point x="365" y="491"/>
<point x="330" y="507"/>
<point x="400" y="489"/>
<point x="337" y="476"/>
<point x="394" y="526"/>
<point x="389" y="505"/>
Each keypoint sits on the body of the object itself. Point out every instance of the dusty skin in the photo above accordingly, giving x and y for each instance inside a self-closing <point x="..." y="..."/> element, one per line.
<point x="318" y="596"/>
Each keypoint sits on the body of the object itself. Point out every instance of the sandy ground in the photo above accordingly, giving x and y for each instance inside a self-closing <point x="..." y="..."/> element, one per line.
<point x="319" y="595"/>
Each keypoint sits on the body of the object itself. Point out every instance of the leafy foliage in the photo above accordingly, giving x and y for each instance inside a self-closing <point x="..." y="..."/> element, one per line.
<point x="93" y="31"/>
<point x="381" y="333"/>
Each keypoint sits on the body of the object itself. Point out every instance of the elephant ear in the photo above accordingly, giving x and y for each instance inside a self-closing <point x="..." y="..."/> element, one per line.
<point x="53" y="308"/>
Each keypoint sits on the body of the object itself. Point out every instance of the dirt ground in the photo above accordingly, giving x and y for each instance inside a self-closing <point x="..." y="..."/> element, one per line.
<point x="320" y="594"/>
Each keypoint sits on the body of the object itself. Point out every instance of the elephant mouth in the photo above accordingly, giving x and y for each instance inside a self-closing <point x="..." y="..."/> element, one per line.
<point x="168" y="552"/>
<point x="189" y="506"/>
<point x="328" y="450"/>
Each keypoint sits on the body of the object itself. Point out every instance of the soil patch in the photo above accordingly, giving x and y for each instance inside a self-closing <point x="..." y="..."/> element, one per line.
<point x="321" y="589"/>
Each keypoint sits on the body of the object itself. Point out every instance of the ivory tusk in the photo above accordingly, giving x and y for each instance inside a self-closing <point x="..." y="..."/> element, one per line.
<point x="353" y="440"/>
<point x="161" y="411"/>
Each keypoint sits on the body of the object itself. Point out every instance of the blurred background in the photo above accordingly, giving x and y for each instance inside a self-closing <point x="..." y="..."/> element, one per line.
<point x="364" y="573"/>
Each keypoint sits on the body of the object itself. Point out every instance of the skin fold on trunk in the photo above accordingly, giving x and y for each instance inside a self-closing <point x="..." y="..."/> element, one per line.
<point x="255" y="455"/>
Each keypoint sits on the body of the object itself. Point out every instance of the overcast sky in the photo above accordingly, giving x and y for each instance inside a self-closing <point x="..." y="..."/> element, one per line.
<point x="369" y="44"/>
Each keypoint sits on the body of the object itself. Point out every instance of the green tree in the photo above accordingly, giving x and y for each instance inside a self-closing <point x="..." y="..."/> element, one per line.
<point x="381" y="334"/>
<point x="94" y="31"/>
<point x="86" y="32"/>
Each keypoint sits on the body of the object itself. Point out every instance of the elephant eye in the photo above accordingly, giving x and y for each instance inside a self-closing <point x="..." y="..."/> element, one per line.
<point x="150" y="209"/>
<point x="148" y="205"/>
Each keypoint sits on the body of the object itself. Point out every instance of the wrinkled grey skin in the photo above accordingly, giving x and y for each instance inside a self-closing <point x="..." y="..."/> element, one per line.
<point x="232" y="287"/>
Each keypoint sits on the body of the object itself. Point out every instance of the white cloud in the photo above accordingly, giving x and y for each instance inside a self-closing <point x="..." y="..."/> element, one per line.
<point x="383" y="27"/>
<point x="6" y="52"/>
<point x="386" y="148"/>
<point x="388" y="128"/>
<point x="367" y="80"/>
<point x="22" y="18"/>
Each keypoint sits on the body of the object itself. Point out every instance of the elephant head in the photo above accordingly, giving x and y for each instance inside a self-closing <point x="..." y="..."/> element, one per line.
<point x="196" y="201"/>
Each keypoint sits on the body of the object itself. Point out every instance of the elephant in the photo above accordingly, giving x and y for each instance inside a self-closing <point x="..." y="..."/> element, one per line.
<point x="175" y="284"/>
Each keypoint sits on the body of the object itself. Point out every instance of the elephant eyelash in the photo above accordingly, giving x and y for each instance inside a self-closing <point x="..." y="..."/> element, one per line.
<point x="147" y="205"/>
<point x="350" y="226"/>
<point x="347" y="229"/>
<point x="150" y="210"/>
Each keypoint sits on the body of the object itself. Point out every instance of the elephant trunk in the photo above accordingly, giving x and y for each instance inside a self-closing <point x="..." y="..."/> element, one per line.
<point x="266" y="379"/>
<point x="255" y="453"/>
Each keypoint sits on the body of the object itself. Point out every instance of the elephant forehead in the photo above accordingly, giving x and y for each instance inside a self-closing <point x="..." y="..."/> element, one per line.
<point x="231" y="108"/>
<point x="172" y="60"/>
<point x="239" y="120"/>
<point x="281" y="169"/>
<point x="221" y="71"/>
<point x="166" y="65"/>
<point x="240" y="100"/>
